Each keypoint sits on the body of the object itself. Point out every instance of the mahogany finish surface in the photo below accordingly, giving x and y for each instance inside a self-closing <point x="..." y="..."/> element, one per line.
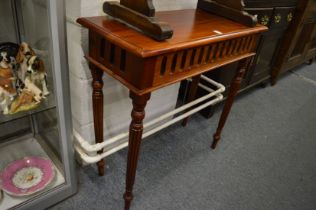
<point x="191" y="27"/>
<point x="202" y="42"/>
<point x="153" y="64"/>
<point x="140" y="14"/>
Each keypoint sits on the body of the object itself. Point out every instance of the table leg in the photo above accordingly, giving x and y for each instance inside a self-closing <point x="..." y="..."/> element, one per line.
<point x="234" y="88"/>
<point x="192" y="94"/>
<point x="97" y="100"/>
<point x="135" y="137"/>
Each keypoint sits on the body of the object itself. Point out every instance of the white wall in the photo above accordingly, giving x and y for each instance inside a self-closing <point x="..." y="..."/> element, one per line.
<point x="117" y="103"/>
<point x="162" y="5"/>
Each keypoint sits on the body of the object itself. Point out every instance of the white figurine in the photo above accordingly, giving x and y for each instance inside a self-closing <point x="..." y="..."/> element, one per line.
<point x="38" y="95"/>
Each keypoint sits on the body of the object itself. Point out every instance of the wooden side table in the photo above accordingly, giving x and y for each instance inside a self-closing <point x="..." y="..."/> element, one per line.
<point x="201" y="42"/>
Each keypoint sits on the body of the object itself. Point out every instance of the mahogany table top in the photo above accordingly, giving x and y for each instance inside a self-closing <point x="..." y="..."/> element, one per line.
<point x="191" y="27"/>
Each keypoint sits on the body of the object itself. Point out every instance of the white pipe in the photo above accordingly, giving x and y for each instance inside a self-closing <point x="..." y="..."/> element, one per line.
<point x="205" y="88"/>
<point x="94" y="159"/>
<point x="181" y="117"/>
<point x="184" y="107"/>
<point x="219" y="85"/>
<point x="89" y="148"/>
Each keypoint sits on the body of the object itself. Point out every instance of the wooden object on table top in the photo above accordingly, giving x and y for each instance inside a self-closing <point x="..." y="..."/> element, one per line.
<point x="144" y="7"/>
<point x="198" y="35"/>
<point x="231" y="9"/>
<point x="140" y="14"/>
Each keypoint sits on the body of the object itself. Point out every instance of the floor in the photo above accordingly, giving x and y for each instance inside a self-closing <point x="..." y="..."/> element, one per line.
<point x="266" y="159"/>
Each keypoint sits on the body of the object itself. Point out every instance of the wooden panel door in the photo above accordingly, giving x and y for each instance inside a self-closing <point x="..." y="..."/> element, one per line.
<point x="263" y="63"/>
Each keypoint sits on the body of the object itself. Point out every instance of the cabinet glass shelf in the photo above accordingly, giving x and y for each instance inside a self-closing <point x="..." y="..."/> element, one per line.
<point x="47" y="104"/>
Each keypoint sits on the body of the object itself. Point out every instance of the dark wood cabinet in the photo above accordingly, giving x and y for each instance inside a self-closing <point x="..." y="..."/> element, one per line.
<point x="278" y="15"/>
<point x="299" y="44"/>
<point x="278" y="20"/>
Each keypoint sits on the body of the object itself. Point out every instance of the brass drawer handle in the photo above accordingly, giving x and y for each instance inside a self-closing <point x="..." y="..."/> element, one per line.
<point x="277" y="18"/>
<point x="290" y="17"/>
<point x="265" y="20"/>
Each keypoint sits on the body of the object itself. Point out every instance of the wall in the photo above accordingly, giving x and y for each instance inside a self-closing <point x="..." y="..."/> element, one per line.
<point x="117" y="103"/>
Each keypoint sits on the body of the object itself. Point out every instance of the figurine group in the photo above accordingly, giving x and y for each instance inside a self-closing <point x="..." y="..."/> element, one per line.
<point x="23" y="82"/>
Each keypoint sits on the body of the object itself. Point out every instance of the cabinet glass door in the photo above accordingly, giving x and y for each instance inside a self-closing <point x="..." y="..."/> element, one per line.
<point x="36" y="157"/>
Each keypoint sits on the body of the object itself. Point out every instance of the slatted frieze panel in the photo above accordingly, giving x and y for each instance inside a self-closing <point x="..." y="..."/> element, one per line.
<point x="168" y="67"/>
<point x="126" y="66"/>
<point x="108" y="54"/>
<point x="174" y="64"/>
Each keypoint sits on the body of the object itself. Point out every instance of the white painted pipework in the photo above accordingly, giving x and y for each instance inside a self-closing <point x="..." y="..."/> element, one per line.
<point x="93" y="159"/>
<point x="88" y="148"/>
<point x="181" y="117"/>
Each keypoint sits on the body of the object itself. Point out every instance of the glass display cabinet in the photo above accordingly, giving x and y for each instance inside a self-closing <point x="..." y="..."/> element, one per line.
<point x="36" y="153"/>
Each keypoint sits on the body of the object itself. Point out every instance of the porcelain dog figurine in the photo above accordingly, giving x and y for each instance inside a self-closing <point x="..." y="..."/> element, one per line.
<point x="36" y="73"/>
<point x="7" y="90"/>
<point x="4" y="61"/>
<point x="25" y="52"/>
<point x="37" y="93"/>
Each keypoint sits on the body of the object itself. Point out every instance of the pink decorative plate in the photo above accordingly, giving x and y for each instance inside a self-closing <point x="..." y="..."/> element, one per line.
<point x="27" y="176"/>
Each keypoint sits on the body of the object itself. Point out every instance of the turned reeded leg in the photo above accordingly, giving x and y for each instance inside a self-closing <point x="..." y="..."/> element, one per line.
<point x="135" y="138"/>
<point x="192" y="94"/>
<point x="97" y="100"/>
<point x="234" y="88"/>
